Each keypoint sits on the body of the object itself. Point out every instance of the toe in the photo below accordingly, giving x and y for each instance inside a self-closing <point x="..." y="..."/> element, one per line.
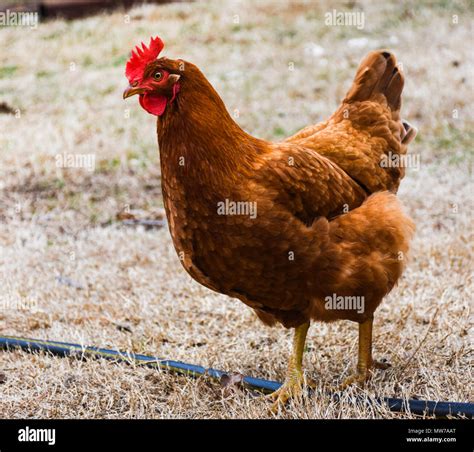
<point x="291" y="389"/>
<point x="358" y="379"/>
<point x="280" y="401"/>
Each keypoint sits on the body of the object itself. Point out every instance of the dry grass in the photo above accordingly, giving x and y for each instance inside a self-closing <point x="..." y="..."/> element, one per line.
<point x="62" y="221"/>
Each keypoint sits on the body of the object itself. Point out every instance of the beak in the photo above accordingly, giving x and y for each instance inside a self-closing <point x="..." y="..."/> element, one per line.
<point x="131" y="91"/>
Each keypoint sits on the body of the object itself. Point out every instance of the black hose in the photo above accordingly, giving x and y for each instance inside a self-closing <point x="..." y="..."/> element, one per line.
<point x="420" y="407"/>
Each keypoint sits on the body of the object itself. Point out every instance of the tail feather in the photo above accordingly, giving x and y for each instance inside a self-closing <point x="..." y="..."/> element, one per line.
<point x="378" y="74"/>
<point x="394" y="89"/>
<point x="410" y="133"/>
<point x="367" y="77"/>
<point x="380" y="80"/>
<point x="389" y="71"/>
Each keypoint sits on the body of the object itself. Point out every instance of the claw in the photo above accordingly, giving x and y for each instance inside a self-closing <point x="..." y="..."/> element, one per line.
<point x="293" y="389"/>
<point x="362" y="376"/>
<point x="359" y="379"/>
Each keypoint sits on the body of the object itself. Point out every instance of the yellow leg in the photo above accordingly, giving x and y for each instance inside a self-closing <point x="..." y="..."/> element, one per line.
<point x="294" y="381"/>
<point x="365" y="361"/>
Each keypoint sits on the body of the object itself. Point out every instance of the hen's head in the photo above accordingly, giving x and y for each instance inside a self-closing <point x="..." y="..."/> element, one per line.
<point x="154" y="79"/>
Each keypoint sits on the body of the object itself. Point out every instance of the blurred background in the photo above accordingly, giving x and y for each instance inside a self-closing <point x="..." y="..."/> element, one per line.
<point x="72" y="9"/>
<point x="85" y="254"/>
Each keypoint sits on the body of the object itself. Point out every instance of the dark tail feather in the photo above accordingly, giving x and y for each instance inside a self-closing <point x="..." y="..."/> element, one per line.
<point x="410" y="133"/>
<point x="378" y="74"/>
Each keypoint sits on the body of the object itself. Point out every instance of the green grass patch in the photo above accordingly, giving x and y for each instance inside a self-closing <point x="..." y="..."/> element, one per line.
<point x="279" y="132"/>
<point x="7" y="71"/>
<point x="44" y="74"/>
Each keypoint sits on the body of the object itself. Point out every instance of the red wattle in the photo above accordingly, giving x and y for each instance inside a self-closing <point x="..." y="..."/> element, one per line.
<point x="154" y="104"/>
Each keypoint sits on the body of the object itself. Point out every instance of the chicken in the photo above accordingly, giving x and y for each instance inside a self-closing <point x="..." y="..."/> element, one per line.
<point x="305" y="229"/>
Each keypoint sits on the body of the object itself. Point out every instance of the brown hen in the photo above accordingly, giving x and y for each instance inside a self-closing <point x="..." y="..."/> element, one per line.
<point x="304" y="229"/>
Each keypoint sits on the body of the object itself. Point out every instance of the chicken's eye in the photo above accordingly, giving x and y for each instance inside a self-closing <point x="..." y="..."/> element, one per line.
<point x="158" y="75"/>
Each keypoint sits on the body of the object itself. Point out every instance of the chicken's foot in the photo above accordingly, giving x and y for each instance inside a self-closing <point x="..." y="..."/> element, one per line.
<point x="365" y="362"/>
<point x="295" y="380"/>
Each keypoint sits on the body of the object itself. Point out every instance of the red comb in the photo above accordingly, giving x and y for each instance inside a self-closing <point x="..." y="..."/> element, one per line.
<point x="141" y="56"/>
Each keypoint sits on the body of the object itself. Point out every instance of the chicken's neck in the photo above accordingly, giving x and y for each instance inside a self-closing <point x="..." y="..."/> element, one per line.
<point x="199" y="141"/>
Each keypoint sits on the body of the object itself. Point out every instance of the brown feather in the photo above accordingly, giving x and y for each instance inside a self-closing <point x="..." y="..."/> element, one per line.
<point x="317" y="231"/>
